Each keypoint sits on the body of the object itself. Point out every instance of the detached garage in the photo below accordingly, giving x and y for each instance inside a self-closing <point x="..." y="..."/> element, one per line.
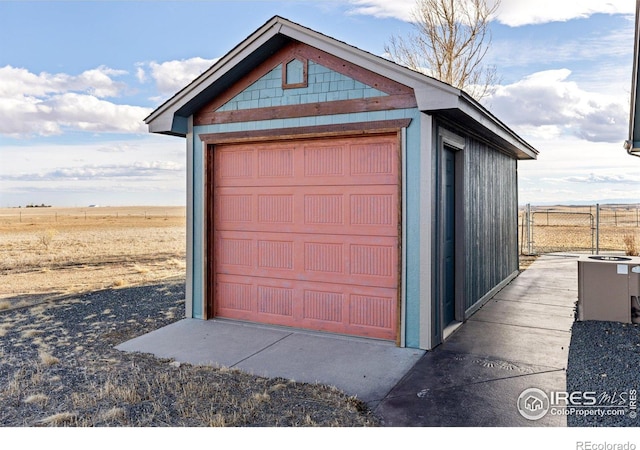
<point x="332" y="190"/>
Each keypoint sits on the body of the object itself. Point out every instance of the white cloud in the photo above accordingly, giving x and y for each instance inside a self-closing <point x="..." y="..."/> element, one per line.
<point x="45" y="104"/>
<point x="114" y="172"/>
<point x="147" y="169"/>
<point x="526" y="12"/>
<point x="171" y="76"/>
<point x="398" y="9"/>
<point x="141" y="75"/>
<point x="512" y="12"/>
<point x="99" y="82"/>
<point x="570" y="169"/>
<point x="88" y="113"/>
<point x="550" y="101"/>
<point x="604" y="178"/>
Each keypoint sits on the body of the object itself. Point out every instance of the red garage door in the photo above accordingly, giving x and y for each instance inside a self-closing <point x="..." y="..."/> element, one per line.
<point x="306" y="234"/>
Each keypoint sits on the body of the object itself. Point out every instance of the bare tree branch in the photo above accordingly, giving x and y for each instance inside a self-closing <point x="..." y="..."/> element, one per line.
<point x="450" y="40"/>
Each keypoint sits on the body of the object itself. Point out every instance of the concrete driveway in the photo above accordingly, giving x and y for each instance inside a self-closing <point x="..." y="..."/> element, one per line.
<point x="519" y="339"/>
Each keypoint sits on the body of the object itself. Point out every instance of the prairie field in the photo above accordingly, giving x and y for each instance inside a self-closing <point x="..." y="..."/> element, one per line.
<point x="612" y="229"/>
<point x="49" y="252"/>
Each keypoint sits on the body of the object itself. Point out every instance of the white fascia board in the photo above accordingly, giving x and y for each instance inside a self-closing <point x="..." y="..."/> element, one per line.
<point x="488" y="121"/>
<point x="431" y="98"/>
<point x="161" y="124"/>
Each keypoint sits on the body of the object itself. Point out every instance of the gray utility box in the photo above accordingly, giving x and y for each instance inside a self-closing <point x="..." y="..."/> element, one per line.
<point x="608" y="286"/>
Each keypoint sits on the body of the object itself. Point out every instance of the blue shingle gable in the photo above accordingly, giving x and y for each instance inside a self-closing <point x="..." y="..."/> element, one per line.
<point x="324" y="85"/>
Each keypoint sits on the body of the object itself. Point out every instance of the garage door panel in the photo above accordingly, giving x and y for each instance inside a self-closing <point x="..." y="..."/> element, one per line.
<point x="306" y="234"/>
<point x="369" y="260"/>
<point x="370" y="210"/>
<point x="369" y="311"/>
<point x="366" y="161"/>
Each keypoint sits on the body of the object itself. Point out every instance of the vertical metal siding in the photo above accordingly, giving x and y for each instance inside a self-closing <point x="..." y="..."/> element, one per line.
<point x="490" y="204"/>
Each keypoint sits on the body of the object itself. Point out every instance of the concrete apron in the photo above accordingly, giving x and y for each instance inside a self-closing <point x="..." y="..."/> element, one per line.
<point x="518" y="340"/>
<point x="365" y="368"/>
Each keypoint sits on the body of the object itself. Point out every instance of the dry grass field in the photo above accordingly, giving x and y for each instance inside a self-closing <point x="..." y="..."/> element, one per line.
<point x="48" y="252"/>
<point x="575" y="228"/>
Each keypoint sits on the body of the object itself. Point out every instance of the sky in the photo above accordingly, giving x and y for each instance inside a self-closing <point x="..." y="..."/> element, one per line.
<point x="77" y="78"/>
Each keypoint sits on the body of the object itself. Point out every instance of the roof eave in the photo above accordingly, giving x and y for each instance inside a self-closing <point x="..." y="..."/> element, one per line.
<point x="431" y="95"/>
<point x="459" y="105"/>
<point x="162" y="118"/>
<point x="513" y="141"/>
<point x="273" y="27"/>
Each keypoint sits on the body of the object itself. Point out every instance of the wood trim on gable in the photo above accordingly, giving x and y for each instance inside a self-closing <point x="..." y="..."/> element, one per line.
<point x="399" y="96"/>
<point x="355" y="128"/>
<point x="308" y="110"/>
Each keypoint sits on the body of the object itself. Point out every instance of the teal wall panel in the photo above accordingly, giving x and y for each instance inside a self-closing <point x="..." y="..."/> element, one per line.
<point x="414" y="300"/>
<point x="198" y="229"/>
<point x="413" y="180"/>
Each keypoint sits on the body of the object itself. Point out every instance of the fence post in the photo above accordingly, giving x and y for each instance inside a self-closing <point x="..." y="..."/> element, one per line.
<point x="521" y="232"/>
<point x="597" y="228"/>
<point x="529" y="237"/>
<point x="593" y="228"/>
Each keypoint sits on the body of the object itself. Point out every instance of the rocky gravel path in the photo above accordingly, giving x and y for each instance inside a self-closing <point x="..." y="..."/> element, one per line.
<point x="604" y="360"/>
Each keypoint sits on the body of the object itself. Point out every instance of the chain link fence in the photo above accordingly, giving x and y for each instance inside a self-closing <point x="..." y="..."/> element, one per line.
<point x="591" y="229"/>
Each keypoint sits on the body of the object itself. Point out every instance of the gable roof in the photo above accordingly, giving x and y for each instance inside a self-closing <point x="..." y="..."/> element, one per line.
<point x="632" y="144"/>
<point x="432" y="96"/>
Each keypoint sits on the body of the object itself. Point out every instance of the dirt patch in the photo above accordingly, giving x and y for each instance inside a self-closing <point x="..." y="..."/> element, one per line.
<point x="60" y="368"/>
<point x="526" y="261"/>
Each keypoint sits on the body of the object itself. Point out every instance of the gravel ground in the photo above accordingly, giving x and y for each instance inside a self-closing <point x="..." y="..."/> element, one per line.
<point x="59" y="368"/>
<point x="604" y="357"/>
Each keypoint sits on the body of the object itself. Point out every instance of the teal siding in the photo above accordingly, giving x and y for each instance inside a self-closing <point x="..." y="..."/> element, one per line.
<point x="198" y="231"/>
<point x="413" y="198"/>
<point x="413" y="180"/>
<point x="324" y="85"/>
